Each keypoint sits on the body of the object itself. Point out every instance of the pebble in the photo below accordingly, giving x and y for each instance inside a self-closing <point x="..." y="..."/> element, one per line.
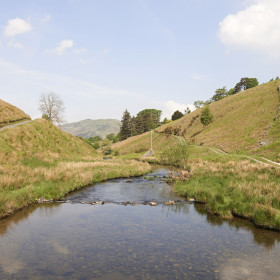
<point x="170" y="202"/>
<point x="153" y="203"/>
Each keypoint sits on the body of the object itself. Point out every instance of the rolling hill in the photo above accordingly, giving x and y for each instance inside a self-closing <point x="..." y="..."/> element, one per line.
<point x="90" y="128"/>
<point x="10" y="114"/>
<point x="247" y="122"/>
<point x="39" y="162"/>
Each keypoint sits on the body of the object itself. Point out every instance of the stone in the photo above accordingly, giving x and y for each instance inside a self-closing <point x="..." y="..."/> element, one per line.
<point x="101" y="202"/>
<point x="191" y="200"/>
<point x="126" y="203"/>
<point x="170" y="202"/>
<point x="153" y="203"/>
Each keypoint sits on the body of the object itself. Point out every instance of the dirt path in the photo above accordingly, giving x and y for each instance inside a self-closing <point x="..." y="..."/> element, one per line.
<point x="223" y="153"/>
<point x="14" y="125"/>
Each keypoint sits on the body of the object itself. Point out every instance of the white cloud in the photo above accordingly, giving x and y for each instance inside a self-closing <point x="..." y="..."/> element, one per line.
<point x="17" y="26"/>
<point x="169" y="107"/>
<point x="80" y="50"/>
<point x="84" y="61"/>
<point x="62" y="47"/>
<point x="46" y="19"/>
<point x="257" y="28"/>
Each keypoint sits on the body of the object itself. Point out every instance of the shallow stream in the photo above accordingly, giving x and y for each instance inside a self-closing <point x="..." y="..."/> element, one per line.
<point x="78" y="240"/>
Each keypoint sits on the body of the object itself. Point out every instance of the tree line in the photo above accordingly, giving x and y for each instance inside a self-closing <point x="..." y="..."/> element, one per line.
<point x="220" y="93"/>
<point x="144" y="121"/>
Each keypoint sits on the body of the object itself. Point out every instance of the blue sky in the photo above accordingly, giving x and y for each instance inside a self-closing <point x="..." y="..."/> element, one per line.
<point x="102" y="57"/>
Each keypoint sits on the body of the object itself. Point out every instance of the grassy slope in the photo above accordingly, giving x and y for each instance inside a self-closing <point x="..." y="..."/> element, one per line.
<point x="240" y="122"/>
<point x="10" y="114"/>
<point x="142" y="143"/>
<point x="37" y="160"/>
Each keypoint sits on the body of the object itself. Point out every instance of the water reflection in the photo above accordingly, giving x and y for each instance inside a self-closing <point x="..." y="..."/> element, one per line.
<point x="180" y="208"/>
<point x="262" y="237"/>
<point x="9" y="223"/>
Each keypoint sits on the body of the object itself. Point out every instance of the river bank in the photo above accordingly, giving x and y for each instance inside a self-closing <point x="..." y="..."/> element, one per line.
<point x="25" y="185"/>
<point x="228" y="185"/>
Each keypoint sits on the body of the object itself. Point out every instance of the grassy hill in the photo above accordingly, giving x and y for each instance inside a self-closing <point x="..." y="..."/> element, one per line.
<point x="38" y="160"/>
<point x="89" y="128"/>
<point x="10" y="114"/>
<point x="247" y="122"/>
<point x="241" y="122"/>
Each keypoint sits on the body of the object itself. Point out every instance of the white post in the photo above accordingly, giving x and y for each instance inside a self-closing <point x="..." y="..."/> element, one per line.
<point x="151" y="139"/>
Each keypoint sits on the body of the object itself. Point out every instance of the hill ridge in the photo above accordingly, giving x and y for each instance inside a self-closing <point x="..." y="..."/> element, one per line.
<point x="90" y="128"/>
<point x="240" y="123"/>
<point x="10" y="113"/>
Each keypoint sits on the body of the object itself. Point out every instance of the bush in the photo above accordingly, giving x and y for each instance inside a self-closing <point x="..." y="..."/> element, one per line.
<point x="108" y="151"/>
<point x="206" y="116"/>
<point x="176" y="155"/>
<point x="95" y="145"/>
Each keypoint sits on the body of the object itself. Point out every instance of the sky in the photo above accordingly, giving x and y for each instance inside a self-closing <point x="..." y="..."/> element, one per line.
<point x="102" y="57"/>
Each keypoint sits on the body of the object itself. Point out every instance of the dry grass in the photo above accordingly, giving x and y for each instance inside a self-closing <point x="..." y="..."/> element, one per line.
<point x="23" y="185"/>
<point x="141" y="143"/>
<point x="37" y="159"/>
<point x="240" y="121"/>
<point x="42" y="140"/>
<point x="240" y="188"/>
<point x="10" y="113"/>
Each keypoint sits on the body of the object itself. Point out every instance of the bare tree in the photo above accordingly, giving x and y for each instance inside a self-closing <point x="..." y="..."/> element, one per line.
<point x="52" y="107"/>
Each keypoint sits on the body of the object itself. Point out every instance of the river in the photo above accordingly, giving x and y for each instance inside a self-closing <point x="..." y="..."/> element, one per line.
<point x="78" y="240"/>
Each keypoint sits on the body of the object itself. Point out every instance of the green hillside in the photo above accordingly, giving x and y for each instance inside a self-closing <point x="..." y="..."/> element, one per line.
<point x="245" y="122"/>
<point x="38" y="160"/>
<point x="10" y="114"/>
<point x="90" y="128"/>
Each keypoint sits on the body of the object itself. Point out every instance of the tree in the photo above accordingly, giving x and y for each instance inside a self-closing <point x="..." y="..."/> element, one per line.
<point x="151" y="118"/>
<point x="252" y="82"/>
<point x="51" y="106"/>
<point x="246" y="83"/>
<point x="206" y="116"/>
<point x="198" y="104"/>
<point x="231" y="92"/>
<point x="165" y="121"/>
<point x="95" y="138"/>
<point x="125" y="130"/>
<point x="112" y="137"/>
<point x="177" y="115"/>
<point x="187" y="111"/>
<point x="220" y="94"/>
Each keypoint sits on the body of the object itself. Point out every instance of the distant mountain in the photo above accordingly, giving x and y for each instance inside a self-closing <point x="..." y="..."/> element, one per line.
<point x="89" y="128"/>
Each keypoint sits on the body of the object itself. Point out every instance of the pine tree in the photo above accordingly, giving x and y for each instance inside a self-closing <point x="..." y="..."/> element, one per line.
<point x="125" y="130"/>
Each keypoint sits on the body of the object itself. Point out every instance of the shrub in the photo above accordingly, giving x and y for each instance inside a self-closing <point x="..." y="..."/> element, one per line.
<point x="206" y="116"/>
<point x="108" y="151"/>
<point x="176" y="155"/>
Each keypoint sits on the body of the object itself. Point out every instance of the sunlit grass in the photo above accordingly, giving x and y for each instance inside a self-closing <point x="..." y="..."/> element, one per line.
<point x="241" y="188"/>
<point x="10" y="114"/>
